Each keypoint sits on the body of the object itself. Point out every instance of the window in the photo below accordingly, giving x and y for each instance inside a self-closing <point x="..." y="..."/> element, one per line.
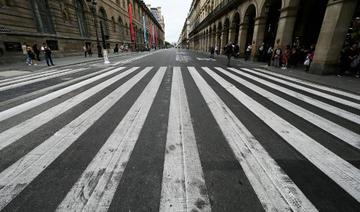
<point x="113" y="23"/>
<point x="103" y="22"/>
<point x="79" y="8"/>
<point x="121" y="28"/>
<point x="42" y="15"/>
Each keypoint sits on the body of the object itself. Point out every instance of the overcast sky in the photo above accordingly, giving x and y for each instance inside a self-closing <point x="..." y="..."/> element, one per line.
<point x="174" y="12"/>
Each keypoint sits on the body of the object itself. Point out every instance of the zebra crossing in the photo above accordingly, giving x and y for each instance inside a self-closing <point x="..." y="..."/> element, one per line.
<point x="98" y="118"/>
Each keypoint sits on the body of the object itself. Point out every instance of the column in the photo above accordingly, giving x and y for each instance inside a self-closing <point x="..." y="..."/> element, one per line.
<point x="259" y="33"/>
<point x="335" y="25"/>
<point x="286" y="26"/>
<point x="242" y="38"/>
<point x="232" y="34"/>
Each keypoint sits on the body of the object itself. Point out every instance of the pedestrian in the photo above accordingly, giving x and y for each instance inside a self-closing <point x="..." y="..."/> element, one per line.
<point x="248" y="52"/>
<point x="269" y="55"/>
<point x="116" y="49"/>
<point x="347" y="57"/>
<point x="212" y="52"/>
<point x="48" y="58"/>
<point x="85" y="50"/>
<point x="217" y="50"/>
<point x="236" y="50"/>
<point x="277" y="57"/>
<point x="36" y="52"/>
<point x="29" y="56"/>
<point x="308" y="60"/>
<point x="261" y="52"/>
<point x="229" y="51"/>
<point x="285" y="57"/>
<point x="90" y="51"/>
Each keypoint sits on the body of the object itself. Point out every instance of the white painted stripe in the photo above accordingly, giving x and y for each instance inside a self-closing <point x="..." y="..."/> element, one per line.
<point x="275" y="190"/>
<point x="95" y="188"/>
<point x="183" y="184"/>
<point x="52" y="76"/>
<point x="19" y="175"/>
<point x="337" y="169"/>
<point x="309" y="90"/>
<point x="304" y="82"/>
<point x="27" y="76"/>
<point x="33" y="77"/>
<point x="322" y="105"/>
<point x="336" y="130"/>
<point x="43" y="99"/>
<point x="44" y="90"/>
<point x="13" y="134"/>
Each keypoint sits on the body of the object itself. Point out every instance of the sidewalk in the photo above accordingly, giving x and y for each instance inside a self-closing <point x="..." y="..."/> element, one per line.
<point x="60" y="62"/>
<point x="346" y="83"/>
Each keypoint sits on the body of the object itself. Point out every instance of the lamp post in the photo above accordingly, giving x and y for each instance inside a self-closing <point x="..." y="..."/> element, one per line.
<point x="93" y="9"/>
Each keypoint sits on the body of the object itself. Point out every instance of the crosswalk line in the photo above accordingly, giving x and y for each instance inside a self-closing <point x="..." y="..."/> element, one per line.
<point x="321" y="87"/>
<point x="309" y="90"/>
<point x="183" y="184"/>
<point x="43" y="99"/>
<point x="275" y="190"/>
<point x="317" y="103"/>
<point x="106" y="169"/>
<point x="31" y="76"/>
<point x="338" y="131"/>
<point x="19" y="175"/>
<point x="336" y="168"/>
<point x="13" y="134"/>
<point x="54" y="87"/>
<point x="50" y="76"/>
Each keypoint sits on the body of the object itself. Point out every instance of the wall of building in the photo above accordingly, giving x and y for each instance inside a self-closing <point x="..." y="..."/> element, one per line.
<point x="277" y="22"/>
<point x="19" y="25"/>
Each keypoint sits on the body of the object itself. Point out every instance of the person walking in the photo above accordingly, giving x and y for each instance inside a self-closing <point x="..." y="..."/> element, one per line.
<point x="277" y="57"/>
<point x="285" y="58"/>
<point x="85" y="51"/>
<point x="36" y="52"/>
<point x="248" y="52"/>
<point x="48" y="58"/>
<point x="269" y="55"/>
<point x="212" y="52"/>
<point x="30" y="56"/>
<point x="217" y="50"/>
<point x="116" y="49"/>
<point x="229" y="51"/>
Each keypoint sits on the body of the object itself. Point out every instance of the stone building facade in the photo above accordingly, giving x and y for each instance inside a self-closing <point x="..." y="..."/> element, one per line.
<point x="67" y="25"/>
<point x="324" y="23"/>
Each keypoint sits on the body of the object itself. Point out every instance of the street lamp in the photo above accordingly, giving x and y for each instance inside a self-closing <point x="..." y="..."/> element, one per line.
<point x="94" y="12"/>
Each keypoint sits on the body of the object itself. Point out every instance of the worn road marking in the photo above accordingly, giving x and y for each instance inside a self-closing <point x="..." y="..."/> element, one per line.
<point x="15" y="178"/>
<point x="13" y="134"/>
<point x="304" y="82"/>
<point x="309" y="90"/>
<point x="60" y="85"/>
<point x="275" y="190"/>
<point x="51" y="76"/>
<point x="322" y="105"/>
<point x="43" y="99"/>
<point x="336" y="168"/>
<point x="97" y="185"/>
<point x="338" y="131"/>
<point x="183" y="185"/>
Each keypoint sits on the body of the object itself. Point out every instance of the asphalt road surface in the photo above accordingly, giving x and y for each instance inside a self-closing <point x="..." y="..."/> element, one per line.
<point x="176" y="131"/>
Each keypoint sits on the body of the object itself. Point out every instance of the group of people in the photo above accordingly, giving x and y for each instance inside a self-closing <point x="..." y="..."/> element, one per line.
<point x="33" y="54"/>
<point x="288" y="57"/>
<point x="350" y="60"/>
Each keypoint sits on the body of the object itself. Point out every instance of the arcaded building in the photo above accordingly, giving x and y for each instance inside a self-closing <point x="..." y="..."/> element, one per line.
<point x="67" y="25"/>
<point x="327" y="24"/>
